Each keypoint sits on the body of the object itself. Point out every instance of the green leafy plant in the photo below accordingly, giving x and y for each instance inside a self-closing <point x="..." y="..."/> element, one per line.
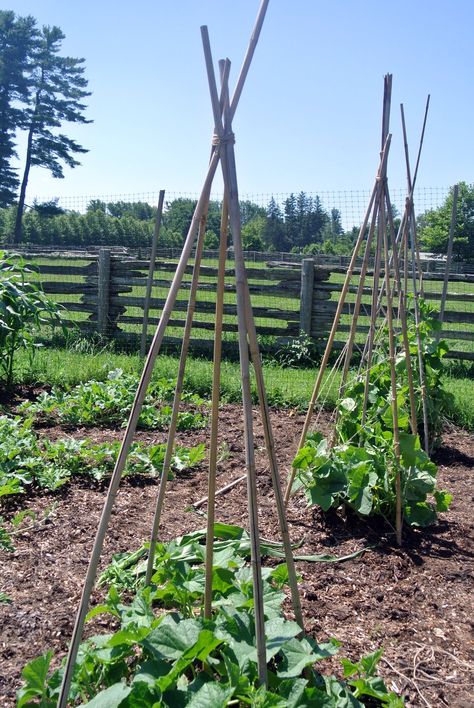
<point x="109" y="403"/>
<point x="178" y="658"/>
<point x="363" y="478"/>
<point x="359" y="471"/>
<point x="379" y="413"/>
<point x="26" y="460"/>
<point x="298" y="352"/>
<point x="24" y="311"/>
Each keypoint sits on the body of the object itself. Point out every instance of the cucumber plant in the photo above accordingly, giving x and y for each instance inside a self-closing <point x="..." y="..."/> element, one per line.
<point x="358" y="470"/>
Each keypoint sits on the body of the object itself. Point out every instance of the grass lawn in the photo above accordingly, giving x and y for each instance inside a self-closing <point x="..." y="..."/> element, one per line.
<point x="285" y="387"/>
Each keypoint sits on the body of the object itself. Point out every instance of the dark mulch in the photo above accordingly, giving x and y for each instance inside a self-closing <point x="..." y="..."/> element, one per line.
<point x="416" y="601"/>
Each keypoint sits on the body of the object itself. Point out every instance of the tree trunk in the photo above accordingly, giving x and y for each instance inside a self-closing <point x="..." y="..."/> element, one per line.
<point x="17" y="234"/>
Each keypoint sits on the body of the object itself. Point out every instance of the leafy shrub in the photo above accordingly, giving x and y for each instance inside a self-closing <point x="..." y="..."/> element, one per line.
<point x="361" y="469"/>
<point x="363" y="478"/>
<point x="379" y="412"/>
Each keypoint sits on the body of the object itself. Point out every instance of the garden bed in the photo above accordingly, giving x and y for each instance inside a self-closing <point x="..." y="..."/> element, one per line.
<point x="415" y="601"/>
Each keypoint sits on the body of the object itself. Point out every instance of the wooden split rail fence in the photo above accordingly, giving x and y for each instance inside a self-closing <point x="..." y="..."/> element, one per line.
<point x="106" y="295"/>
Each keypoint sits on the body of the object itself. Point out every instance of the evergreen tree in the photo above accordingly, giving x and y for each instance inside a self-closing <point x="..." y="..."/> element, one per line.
<point x="274" y="233"/>
<point x="291" y="221"/>
<point x="332" y="230"/>
<point x="17" y="36"/>
<point x="319" y="218"/>
<point x="57" y="87"/>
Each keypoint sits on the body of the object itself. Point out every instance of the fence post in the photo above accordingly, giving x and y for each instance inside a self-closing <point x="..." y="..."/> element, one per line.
<point x="103" y="292"/>
<point x="306" y="296"/>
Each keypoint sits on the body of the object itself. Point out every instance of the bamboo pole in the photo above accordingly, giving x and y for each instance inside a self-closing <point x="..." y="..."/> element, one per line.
<point x="376" y="296"/>
<point x="375" y="303"/>
<point x="222" y="490"/>
<point x="411" y="187"/>
<point x="421" y="364"/>
<point x="449" y="254"/>
<point x="216" y="383"/>
<point x="254" y="37"/>
<point x="387" y="103"/>
<point x="225" y="140"/>
<point x="422" y="136"/>
<point x="411" y="234"/>
<point x="276" y="480"/>
<point x="406" y="216"/>
<point x="177" y="397"/>
<point x="393" y="379"/>
<point x="180" y="376"/>
<point x="337" y="315"/>
<point x="144" y="381"/>
<point x="402" y="316"/>
<point x="149" y="282"/>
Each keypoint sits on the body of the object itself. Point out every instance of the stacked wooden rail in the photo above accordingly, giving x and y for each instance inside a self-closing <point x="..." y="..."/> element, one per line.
<point x="106" y="295"/>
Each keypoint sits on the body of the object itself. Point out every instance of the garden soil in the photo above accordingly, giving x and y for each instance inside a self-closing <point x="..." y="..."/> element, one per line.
<point x="415" y="602"/>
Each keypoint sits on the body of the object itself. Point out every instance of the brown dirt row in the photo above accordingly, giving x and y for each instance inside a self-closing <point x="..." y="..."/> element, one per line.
<point x="416" y="602"/>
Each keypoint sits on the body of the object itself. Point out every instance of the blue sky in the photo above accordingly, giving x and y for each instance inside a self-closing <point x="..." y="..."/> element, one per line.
<point x="309" y="117"/>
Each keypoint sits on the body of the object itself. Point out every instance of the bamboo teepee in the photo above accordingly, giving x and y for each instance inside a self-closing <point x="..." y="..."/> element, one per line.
<point x="222" y="151"/>
<point x="388" y="301"/>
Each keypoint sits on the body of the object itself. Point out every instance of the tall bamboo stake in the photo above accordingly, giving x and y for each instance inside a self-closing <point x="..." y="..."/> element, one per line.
<point x="216" y="377"/>
<point x="337" y="315"/>
<point x="177" y="397"/>
<point x="216" y="383"/>
<point x="180" y="377"/>
<point x="144" y="381"/>
<point x="274" y="471"/>
<point x="402" y="316"/>
<point x="393" y="378"/>
<point x="374" y="304"/>
<point x="411" y="188"/>
<point x="225" y="139"/>
<point x="376" y="300"/>
<point x="151" y="269"/>
<point x="412" y="236"/>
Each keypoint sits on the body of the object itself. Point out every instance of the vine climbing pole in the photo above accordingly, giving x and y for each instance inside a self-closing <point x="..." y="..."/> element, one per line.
<point x="222" y="151"/>
<point x="387" y="287"/>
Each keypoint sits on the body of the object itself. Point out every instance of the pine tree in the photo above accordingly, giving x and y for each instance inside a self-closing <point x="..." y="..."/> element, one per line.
<point x="274" y="233"/>
<point x="57" y="87"/>
<point x="17" y="37"/>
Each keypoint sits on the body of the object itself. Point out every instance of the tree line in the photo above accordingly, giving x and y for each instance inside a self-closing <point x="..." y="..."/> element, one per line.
<point x="300" y="224"/>
<point x="39" y="91"/>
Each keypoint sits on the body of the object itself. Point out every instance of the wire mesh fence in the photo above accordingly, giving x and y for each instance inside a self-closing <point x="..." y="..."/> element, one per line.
<point x="351" y="203"/>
